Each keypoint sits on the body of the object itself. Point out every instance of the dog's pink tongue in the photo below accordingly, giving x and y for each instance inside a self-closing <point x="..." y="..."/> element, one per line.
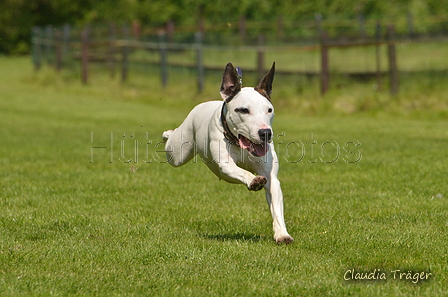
<point x="261" y="149"/>
<point x="244" y="142"/>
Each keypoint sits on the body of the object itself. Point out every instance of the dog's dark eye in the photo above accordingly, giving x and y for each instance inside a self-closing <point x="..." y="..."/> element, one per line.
<point x="242" y="110"/>
<point x="269" y="110"/>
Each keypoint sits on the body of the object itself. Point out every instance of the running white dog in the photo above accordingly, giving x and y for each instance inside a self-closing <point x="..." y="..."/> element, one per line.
<point x="234" y="139"/>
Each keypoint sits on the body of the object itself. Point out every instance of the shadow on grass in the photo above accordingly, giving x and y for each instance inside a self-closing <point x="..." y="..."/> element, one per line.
<point x="247" y="237"/>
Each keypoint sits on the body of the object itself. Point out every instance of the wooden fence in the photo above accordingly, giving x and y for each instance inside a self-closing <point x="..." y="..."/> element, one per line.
<point x="58" y="45"/>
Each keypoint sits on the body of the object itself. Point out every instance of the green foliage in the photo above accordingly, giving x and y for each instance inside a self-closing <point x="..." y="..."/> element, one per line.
<point x="17" y="17"/>
<point x="70" y="227"/>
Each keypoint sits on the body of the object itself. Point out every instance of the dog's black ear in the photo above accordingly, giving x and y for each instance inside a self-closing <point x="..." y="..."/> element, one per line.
<point x="265" y="85"/>
<point x="230" y="83"/>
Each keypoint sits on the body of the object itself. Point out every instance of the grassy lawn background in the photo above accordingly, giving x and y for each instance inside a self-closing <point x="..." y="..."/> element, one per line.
<point x="70" y="227"/>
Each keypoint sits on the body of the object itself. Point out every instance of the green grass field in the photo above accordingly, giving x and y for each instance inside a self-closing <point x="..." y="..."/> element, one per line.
<point x="71" y="227"/>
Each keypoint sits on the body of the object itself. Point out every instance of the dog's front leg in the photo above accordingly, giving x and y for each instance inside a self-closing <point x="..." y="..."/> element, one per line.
<point x="234" y="174"/>
<point x="274" y="197"/>
<point x="224" y="166"/>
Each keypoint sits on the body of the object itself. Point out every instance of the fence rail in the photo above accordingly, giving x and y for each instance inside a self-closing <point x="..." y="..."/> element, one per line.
<point x="327" y="56"/>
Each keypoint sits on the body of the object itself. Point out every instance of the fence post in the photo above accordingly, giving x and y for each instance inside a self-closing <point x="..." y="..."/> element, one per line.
<point x="36" y="47"/>
<point x="201" y="20"/>
<point x="242" y="29"/>
<point x="318" y="20"/>
<point x="163" y="59"/>
<point x="393" y="69"/>
<point x="378" y="55"/>
<point x="325" y="75"/>
<point x="170" y="27"/>
<point x="199" y="61"/>
<point x="58" y="49"/>
<point x="124" y="53"/>
<point x="260" y="58"/>
<point x="111" y="54"/>
<point x="136" y="29"/>
<point x="85" y="54"/>
<point x="65" y="42"/>
<point x="410" y="21"/>
<point x="362" y="26"/>
<point x="280" y="28"/>
<point x="49" y="44"/>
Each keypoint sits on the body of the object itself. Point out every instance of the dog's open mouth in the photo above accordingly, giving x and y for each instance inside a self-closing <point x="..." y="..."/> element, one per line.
<point x="256" y="149"/>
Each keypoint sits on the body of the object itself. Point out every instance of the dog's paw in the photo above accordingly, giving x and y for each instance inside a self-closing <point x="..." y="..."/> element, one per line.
<point x="257" y="183"/>
<point x="286" y="239"/>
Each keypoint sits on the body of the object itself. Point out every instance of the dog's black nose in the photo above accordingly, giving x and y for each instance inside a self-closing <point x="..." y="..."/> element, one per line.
<point x="265" y="134"/>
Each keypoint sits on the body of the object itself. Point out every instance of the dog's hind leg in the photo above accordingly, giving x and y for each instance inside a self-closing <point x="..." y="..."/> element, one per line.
<point x="180" y="147"/>
<point x="166" y="135"/>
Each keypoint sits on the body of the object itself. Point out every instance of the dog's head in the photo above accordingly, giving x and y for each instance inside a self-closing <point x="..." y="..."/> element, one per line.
<point x="249" y="110"/>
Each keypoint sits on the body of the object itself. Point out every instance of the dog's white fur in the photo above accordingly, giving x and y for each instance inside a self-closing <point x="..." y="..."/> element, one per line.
<point x="248" y="112"/>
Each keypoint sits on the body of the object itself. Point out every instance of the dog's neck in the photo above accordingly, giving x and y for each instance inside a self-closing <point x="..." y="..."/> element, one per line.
<point x="227" y="133"/>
